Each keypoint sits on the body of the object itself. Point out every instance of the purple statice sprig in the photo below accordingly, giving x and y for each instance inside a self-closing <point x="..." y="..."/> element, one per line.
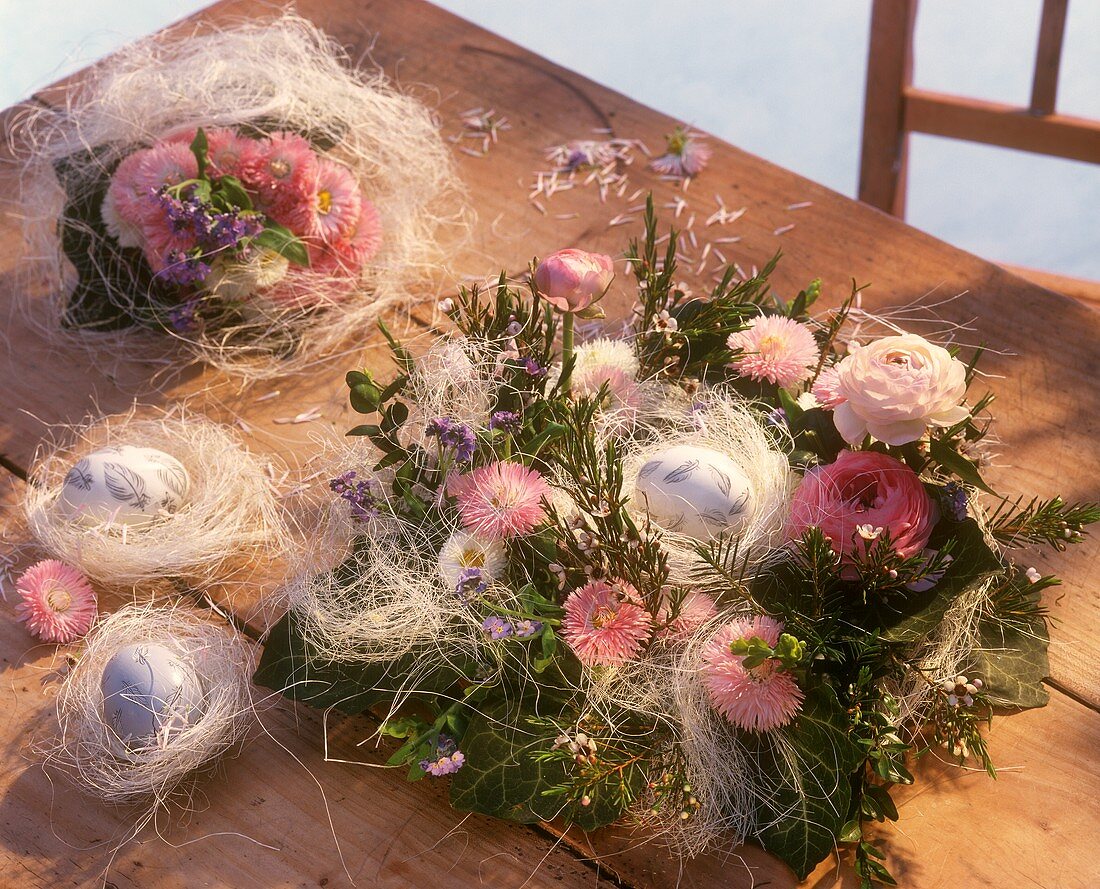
<point x="453" y="436"/>
<point x="357" y="493"/>
<point x="506" y="421"/>
<point x="955" y="501"/>
<point x="184" y="318"/>
<point x="184" y="268"/>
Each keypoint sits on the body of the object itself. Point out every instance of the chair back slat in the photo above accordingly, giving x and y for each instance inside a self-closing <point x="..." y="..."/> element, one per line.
<point x="894" y="108"/>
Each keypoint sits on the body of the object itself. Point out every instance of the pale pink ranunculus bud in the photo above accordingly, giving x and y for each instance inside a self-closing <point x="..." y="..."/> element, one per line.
<point x="571" y="280"/>
<point x="896" y="387"/>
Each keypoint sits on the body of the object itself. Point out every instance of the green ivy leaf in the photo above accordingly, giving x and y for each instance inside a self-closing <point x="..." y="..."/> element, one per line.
<point x="1012" y="664"/>
<point x="284" y="242"/>
<point x="958" y="465"/>
<point x="290" y="666"/>
<point x="234" y="192"/>
<point x="503" y="779"/>
<point x="914" y="616"/>
<point x="806" y="813"/>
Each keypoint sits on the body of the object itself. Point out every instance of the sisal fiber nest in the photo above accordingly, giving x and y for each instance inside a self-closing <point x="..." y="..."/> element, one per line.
<point x="231" y="519"/>
<point x="258" y="78"/>
<point x="223" y="663"/>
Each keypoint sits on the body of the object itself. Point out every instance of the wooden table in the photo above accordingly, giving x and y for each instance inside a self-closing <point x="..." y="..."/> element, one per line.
<point x="281" y="813"/>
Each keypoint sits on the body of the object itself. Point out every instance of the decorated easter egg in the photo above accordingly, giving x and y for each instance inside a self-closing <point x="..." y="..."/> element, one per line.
<point x="694" y="491"/>
<point x="124" y="485"/>
<point x="150" y="695"/>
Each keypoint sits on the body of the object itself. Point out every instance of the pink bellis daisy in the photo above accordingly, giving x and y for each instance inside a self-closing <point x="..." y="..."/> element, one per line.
<point x="695" y="610"/>
<point x="604" y="623"/>
<point x="687" y="154"/>
<point x="756" y="700"/>
<point x="332" y="210"/>
<point x="775" y="349"/>
<point x="826" y="389"/>
<point x="282" y="169"/>
<point x="55" y="601"/>
<point x="501" y="500"/>
<point x="224" y="148"/>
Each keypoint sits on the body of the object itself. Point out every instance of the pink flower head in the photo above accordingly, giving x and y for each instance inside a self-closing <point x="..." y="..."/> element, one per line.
<point x="282" y="169"/>
<point x="139" y="176"/>
<point x="687" y="155"/>
<point x="604" y="624"/>
<point x="331" y="210"/>
<point x="896" y="387"/>
<point x="55" y="601"/>
<point x="858" y="498"/>
<point x="224" y="149"/>
<point x="759" y="699"/>
<point x="501" y="500"/>
<point x="695" y="610"/>
<point x="775" y="349"/>
<point x="571" y="280"/>
<point x="826" y="389"/>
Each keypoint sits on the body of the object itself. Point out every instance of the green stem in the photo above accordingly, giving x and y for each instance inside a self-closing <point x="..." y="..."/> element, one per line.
<point x="566" y="350"/>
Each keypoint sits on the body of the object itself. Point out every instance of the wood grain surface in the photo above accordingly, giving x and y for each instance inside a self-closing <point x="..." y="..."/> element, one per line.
<point x="1034" y="826"/>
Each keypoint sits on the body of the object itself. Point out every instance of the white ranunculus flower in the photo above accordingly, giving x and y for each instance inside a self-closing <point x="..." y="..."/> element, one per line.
<point x="896" y="387"/>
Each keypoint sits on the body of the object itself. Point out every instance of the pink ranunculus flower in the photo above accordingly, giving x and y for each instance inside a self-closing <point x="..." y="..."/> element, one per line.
<point x="860" y="497"/>
<point x="896" y="387"/>
<point x="571" y="280"/>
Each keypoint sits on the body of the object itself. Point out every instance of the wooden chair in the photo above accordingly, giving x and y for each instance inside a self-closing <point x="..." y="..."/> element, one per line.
<point x="894" y="107"/>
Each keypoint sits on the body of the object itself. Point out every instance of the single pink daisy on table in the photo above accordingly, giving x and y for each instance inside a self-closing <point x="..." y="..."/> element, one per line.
<point x="826" y="389"/>
<point x="695" y="610"/>
<point x="686" y="155"/>
<point x="759" y="699"/>
<point x="55" y="601"/>
<point x="282" y="169"/>
<point x="775" y="349"/>
<point x="604" y="623"/>
<point x="501" y="500"/>
<point x="332" y="210"/>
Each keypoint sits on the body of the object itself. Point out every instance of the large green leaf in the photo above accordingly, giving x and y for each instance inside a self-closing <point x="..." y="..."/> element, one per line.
<point x="807" y="810"/>
<point x="912" y="617"/>
<point x="502" y="777"/>
<point x="1012" y="664"/>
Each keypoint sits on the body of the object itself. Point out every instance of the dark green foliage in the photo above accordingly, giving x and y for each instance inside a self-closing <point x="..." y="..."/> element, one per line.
<point x="809" y="808"/>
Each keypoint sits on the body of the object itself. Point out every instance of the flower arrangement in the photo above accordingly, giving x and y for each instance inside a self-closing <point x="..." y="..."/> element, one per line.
<point x="244" y="191"/>
<point x="222" y="219"/>
<point x="727" y="576"/>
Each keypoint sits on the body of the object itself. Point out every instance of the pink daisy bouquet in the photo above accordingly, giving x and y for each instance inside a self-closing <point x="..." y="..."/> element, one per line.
<point x="245" y="191"/>
<point x="215" y="222"/>
<point x="727" y="576"/>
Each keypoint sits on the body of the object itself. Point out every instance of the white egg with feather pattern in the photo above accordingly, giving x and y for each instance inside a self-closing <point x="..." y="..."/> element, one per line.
<point x="696" y="491"/>
<point x="124" y="485"/>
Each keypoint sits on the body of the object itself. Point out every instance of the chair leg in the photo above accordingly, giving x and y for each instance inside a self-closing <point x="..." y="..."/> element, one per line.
<point x="883" y="157"/>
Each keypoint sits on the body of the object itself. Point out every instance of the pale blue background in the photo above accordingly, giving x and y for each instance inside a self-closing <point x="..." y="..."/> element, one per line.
<point x="781" y="78"/>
